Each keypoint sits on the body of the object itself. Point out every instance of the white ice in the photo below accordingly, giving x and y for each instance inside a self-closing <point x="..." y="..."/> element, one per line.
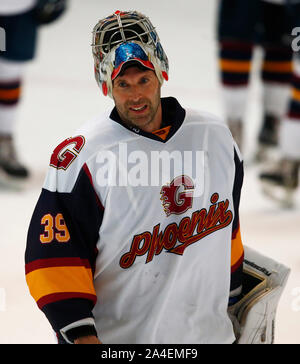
<point x="60" y="94"/>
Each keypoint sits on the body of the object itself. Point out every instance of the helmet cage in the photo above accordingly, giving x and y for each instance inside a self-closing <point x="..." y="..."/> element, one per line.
<point x="121" y="28"/>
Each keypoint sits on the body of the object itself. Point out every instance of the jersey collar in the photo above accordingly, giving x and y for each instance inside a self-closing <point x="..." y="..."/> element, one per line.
<point x="172" y="114"/>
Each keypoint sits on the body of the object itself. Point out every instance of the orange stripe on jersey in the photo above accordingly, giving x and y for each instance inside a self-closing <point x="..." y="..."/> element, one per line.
<point x="162" y="133"/>
<point x="235" y="66"/>
<point x="10" y="94"/>
<point x="237" y="250"/>
<point x="296" y="94"/>
<point x="276" y="66"/>
<point x="60" y="280"/>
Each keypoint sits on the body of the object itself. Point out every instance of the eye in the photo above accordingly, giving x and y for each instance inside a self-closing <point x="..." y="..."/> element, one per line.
<point x="122" y="84"/>
<point x="144" y="80"/>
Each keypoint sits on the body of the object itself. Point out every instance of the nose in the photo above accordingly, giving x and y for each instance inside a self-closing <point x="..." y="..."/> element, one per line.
<point x="135" y="94"/>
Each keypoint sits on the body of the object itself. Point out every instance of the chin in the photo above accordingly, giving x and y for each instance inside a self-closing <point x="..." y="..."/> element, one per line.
<point x="141" y="122"/>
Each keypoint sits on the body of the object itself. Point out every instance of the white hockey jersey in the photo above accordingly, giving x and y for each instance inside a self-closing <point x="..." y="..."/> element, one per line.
<point x="138" y="234"/>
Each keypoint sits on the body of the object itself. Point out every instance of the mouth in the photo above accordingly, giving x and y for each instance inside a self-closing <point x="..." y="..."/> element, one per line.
<point x="138" y="109"/>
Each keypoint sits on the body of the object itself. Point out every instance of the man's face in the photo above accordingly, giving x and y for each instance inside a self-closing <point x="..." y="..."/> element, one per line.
<point x="136" y="94"/>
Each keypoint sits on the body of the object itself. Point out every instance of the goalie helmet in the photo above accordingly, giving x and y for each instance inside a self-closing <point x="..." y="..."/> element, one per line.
<point x="126" y="37"/>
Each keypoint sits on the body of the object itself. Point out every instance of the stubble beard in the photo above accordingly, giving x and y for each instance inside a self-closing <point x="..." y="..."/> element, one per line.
<point x="142" y="121"/>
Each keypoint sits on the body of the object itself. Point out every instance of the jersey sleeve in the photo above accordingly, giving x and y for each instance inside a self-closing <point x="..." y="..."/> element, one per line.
<point x="237" y="250"/>
<point x="61" y="250"/>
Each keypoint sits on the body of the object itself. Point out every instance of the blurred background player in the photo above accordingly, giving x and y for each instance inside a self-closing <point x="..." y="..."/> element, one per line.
<point x="20" y="19"/>
<point x="282" y="179"/>
<point x="243" y="25"/>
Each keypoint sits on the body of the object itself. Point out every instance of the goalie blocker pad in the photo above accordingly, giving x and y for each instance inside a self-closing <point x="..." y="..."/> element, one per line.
<point x="253" y="317"/>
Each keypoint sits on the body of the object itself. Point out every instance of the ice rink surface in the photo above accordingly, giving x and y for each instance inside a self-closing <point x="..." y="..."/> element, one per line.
<point x="60" y="94"/>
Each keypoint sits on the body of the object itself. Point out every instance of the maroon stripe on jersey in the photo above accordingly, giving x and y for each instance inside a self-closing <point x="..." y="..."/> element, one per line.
<point x="294" y="115"/>
<point x="55" y="297"/>
<point x="88" y="173"/>
<point x="56" y="262"/>
<point x="296" y="81"/>
<point x="236" y="45"/>
<point x="235" y="231"/>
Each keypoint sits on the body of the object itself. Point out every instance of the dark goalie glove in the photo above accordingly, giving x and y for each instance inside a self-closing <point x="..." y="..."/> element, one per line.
<point x="253" y="317"/>
<point x="47" y="11"/>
